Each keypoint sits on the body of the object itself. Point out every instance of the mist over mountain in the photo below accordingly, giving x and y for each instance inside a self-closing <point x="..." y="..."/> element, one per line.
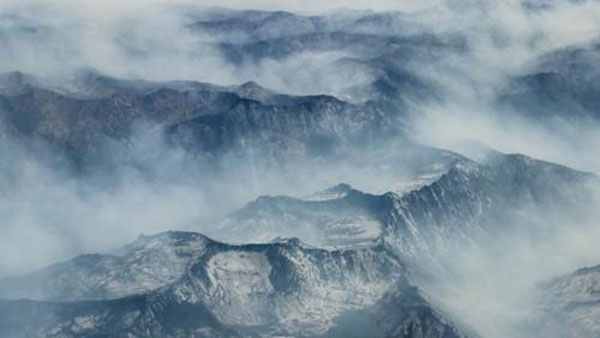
<point x="299" y="168"/>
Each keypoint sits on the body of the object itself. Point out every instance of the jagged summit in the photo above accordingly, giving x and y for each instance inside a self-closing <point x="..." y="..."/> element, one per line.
<point x="335" y="192"/>
<point x="339" y="101"/>
<point x="367" y="245"/>
<point x="462" y="201"/>
<point x="263" y="290"/>
<point x="341" y="188"/>
<point x="171" y="237"/>
<point x="80" y="117"/>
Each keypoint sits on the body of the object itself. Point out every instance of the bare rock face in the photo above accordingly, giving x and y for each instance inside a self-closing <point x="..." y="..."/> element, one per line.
<point x="196" y="117"/>
<point x="283" y="288"/>
<point x="343" y="262"/>
<point x="355" y="266"/>
<point x="466" y="202"/>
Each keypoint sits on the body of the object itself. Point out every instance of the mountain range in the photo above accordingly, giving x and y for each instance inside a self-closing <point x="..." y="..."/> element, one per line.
<point x="370" y="254"/>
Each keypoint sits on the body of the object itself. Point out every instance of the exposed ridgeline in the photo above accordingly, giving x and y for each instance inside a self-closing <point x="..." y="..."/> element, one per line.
<point x="179" y="284"/>
<point x="563" y="85"/>
<point x="347" y="260"/>
<point x="377" y="53"/>
<point x="389" y="50"/>
<point x="84" y="116"/>
<point x="373" y="56"/>
<point x="356" y="267"/>
<point x="464" y="203"/>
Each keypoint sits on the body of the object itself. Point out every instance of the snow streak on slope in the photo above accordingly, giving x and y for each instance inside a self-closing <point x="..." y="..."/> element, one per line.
<point x="106" y="110"/>
<point x="266" y="290"/>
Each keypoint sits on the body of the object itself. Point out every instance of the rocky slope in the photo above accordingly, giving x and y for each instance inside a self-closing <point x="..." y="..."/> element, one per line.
<point x="373" y="53"/>
<point x="197" y="117"/>
<point x="469" y="201"/>
<point x="562" y="84"/>
<point x="274" y="289"/>
<point x="357" y="266"/>
<point x="344" y="262"/>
